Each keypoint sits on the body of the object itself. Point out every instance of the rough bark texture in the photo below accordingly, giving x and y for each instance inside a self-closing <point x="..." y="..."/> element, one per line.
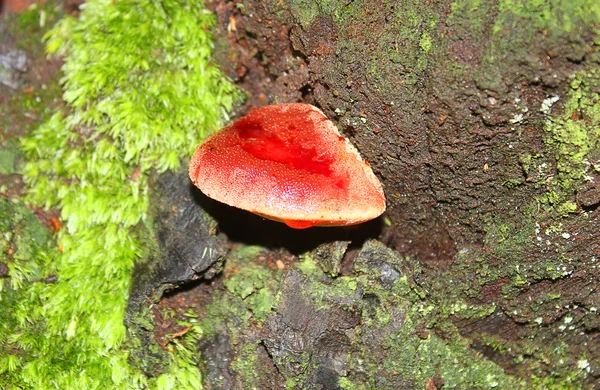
<point x="187" y="249"/>
<point x="480" y="119"/>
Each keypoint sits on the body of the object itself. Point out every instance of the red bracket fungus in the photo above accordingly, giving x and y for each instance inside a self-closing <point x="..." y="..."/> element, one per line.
<point x="288" y="163"/>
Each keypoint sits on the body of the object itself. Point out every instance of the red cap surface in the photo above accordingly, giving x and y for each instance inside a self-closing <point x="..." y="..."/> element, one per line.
<point x="288" y="163"/>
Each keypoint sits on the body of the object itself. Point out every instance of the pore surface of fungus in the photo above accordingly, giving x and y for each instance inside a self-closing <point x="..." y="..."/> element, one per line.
<point x="288" y="163"/>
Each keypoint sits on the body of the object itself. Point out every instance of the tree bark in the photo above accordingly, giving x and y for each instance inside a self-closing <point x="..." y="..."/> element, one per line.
<point x="481" y="120"/>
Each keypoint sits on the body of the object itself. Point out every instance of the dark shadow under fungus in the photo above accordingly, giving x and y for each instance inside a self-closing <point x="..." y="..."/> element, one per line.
<point x="250" y="229"/>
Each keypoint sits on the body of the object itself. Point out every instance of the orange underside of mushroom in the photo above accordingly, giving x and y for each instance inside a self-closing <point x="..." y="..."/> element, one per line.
<point x="288" y="163"/>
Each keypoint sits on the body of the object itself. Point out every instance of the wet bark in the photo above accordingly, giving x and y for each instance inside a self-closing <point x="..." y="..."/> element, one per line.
<point x="453" y="106"/>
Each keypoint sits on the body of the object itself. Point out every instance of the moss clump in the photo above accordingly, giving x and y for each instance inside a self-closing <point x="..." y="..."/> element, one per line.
<point x="154" y="99"/>
<point x="142" y="92"/>
<point x="342" y="290"/>
<point x="384" y="348"/>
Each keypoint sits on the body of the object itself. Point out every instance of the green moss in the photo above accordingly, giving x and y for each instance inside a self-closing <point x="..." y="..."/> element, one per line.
<point x="499" y="275"/>
<point x="511" y="28"/>
<point x="418" y="359"/>
<point x="308" y="11"/>
<point x="477" y="11"/>
<point x="329" y="256"/>
<point x="401" y="49"/>
<point x="390" y="320"/>
<point x="137" y="103"/>
<point x="341" y="292"/>
<point x="509" y="243"/>
<point x="338" y="291"/>
<point x="459" y="369"/>
<point x="510" y="240"/>
<point x="411" y="357"/>
<point x="225" y="308"/>
<point x="290" y="383"/>
<point x="347" y="384"/>
<point x="26" y="249"/>
<point x="134" y="88"/>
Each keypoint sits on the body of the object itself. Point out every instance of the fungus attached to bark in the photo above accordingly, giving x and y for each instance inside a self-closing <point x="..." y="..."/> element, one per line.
<point x="288" y="163"/>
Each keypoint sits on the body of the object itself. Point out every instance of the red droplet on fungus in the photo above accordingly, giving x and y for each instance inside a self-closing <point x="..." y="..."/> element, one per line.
<point x="299" y="224"/>
<point x="288" y="163"/>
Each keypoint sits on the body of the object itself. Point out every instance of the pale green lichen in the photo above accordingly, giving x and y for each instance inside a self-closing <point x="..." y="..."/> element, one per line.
<point x="554" y="15"/>
<point x="574" y="137"/>
<point x="412" y="357"/>
<point x="248" y="299"/>
<point x="390" y="323"/>
<point x="8" y="159"/>
<point x="251" y="282"/>
<point x="25" y="250"/>
<point x="425" y="42"/>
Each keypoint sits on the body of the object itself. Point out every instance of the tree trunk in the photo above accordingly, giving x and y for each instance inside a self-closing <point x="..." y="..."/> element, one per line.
<point x="481" y="118"/>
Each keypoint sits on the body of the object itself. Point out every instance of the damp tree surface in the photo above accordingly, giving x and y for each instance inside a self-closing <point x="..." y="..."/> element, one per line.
<point x="481" y="119"/>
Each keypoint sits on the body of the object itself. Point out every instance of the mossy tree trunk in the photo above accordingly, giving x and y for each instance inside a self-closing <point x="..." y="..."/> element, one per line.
<point x="481" y="118"/>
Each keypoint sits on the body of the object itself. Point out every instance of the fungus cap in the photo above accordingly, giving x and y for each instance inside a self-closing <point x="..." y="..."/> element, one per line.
<point x="288" y="163"/>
